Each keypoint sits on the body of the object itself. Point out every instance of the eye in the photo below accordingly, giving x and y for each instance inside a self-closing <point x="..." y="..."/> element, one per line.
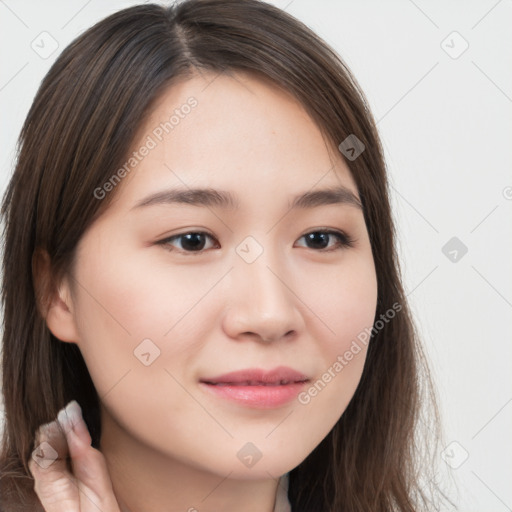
<point x="320" y="240"/>
<point x="195" y="241"/>
<point x="191" y="242"/>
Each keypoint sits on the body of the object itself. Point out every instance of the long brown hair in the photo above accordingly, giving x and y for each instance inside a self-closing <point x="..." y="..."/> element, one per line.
<point x="79" y="130"/>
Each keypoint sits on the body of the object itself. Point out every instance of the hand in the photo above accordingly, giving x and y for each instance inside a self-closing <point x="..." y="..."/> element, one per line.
<point x="80" y="484"/>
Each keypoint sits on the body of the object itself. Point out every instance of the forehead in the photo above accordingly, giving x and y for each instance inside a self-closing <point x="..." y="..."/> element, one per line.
<point x="234" y="132"/>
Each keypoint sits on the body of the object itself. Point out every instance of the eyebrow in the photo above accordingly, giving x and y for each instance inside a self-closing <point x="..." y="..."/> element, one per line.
<point x="209" y="197"/>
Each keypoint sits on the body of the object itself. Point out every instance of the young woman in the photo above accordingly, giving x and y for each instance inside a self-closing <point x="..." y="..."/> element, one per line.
<point x="199" y="258"/>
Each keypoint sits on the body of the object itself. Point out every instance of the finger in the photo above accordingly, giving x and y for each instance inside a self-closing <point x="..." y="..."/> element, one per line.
<point x="53" y="482"/>
<point x="50" y="449"/>
<point x="88" y="464"/>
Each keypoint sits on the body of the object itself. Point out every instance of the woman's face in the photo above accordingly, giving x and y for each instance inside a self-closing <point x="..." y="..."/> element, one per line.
<point x="156" y="312"/>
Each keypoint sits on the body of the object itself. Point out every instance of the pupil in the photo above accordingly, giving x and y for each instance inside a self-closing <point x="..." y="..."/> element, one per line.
<point x="319" y="237"/>
<point x="193" y="241"/>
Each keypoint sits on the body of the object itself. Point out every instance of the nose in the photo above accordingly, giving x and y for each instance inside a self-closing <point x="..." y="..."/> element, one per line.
<point x="263" y="305"/>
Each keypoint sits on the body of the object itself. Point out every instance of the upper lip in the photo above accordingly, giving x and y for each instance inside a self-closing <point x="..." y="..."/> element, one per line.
<point x="254" y="376"/>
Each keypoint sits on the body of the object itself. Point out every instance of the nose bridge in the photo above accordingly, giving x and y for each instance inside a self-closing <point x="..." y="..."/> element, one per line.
<point x="264" y="269"/>
<point x="263" y="301"/>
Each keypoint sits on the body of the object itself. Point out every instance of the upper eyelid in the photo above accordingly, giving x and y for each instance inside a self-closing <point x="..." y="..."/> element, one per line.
<point x="202" y="232"/>
<point x="331" y="231"/>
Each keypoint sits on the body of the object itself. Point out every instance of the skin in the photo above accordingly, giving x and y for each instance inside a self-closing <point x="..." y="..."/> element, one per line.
<point x="166" y="443"/>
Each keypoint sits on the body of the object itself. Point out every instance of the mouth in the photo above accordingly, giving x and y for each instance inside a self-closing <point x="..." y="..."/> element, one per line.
<point x="256" y="383"/>
<point x="257" y="388"/>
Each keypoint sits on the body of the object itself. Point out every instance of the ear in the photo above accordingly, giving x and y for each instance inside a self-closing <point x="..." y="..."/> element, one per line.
<point x="53" y="299"/>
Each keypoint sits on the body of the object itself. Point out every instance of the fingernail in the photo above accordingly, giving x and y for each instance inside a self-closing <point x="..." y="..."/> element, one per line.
<point x="50" y="428"/>
<point x="74" y="413"/>
<point x="63" y="417"/>
<point x="80" y="427"/>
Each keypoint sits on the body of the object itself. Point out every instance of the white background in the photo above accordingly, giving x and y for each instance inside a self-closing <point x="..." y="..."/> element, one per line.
<point x="446" y="126"/>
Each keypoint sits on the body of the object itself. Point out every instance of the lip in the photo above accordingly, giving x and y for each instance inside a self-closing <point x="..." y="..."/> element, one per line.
<point x="258" y="376"/>
<point x="257" y="388"/>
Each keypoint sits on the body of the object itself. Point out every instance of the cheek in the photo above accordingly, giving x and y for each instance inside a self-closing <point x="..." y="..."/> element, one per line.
<point x="130" y="313"/>
<point x="345" y="306"/>
<point x="124" y="317"/>
<point x="141" y="297"/>
<point x="343" y="300"/>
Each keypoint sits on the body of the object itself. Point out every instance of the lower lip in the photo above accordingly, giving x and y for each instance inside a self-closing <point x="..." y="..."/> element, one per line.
<point x="259" y="397"/>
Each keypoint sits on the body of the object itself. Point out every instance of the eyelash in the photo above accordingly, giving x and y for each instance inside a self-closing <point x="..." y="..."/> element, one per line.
<point x="344" y="241"/>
